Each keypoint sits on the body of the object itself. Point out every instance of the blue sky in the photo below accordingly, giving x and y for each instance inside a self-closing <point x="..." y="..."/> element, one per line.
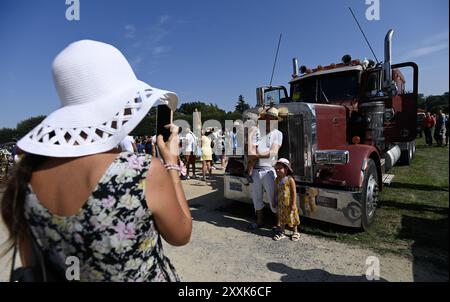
<point x="211" y="51"/>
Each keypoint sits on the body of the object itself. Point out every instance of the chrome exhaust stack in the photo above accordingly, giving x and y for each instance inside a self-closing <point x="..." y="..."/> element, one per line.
<point x="295" y="67"/>
<point x="387" y="70"/>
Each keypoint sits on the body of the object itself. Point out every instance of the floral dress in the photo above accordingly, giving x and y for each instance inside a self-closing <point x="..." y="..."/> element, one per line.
<point x="113" y="235"/>
<point x="283" y="200"/>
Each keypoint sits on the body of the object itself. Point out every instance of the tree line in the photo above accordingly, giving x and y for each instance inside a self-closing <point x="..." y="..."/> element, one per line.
<point x="148" y="125"/>
<point x="434" y="103"/>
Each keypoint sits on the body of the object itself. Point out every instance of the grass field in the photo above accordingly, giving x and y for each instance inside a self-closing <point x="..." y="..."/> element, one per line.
<point x="412" y="215"/>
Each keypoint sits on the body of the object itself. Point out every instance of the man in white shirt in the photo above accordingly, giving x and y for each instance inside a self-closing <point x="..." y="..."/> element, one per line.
<point x="218" y="146"/>
<point x="263" y="173"/>
<point x="189" y="148"/>
<point x="128" y="144"/>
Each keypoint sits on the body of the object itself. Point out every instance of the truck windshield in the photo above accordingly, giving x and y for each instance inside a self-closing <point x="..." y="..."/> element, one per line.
<point x="326" y="88"/>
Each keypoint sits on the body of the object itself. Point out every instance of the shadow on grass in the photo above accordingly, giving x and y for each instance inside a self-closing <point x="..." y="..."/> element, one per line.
<point x="426" y="233"/>
<point x="413" y="207"/>
<point x="312" y="275"/>
<point x="325" y="229"/>
<point x="430" y="245"/>
<point x="421" y="187"/>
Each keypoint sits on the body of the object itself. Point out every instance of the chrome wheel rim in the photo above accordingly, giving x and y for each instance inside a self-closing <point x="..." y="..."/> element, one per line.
<point x="371" y="196"/>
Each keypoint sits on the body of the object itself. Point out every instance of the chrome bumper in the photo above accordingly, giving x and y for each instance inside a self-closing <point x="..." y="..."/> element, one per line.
<point x="345" y="210"/>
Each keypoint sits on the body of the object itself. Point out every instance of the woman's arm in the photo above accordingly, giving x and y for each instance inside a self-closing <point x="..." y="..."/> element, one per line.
<point x="272" y="152"/>
<point x="165" y="196"/>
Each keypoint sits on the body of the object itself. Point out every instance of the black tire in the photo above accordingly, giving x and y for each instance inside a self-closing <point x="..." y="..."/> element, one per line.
<point x="407" y="155"/>
<point x="369" y="196"/>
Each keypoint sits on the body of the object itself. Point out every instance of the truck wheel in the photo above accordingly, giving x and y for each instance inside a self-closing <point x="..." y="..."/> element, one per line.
<point x="408" y="154"/>
<point x="369" y="196"/>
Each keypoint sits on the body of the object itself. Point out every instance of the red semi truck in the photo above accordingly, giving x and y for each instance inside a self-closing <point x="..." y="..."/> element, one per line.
<point x="345" y="126"/>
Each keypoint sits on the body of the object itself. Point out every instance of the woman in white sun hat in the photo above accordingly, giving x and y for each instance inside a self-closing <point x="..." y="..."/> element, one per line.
<point x="75" y="194"/>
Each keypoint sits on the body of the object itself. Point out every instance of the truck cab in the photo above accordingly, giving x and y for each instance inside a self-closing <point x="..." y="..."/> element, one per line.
<point x="344" y="126"/>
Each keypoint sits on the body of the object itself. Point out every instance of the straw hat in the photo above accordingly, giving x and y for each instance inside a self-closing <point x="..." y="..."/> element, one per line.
<point x="271" y="112"/>
<point x="102" y="101"/>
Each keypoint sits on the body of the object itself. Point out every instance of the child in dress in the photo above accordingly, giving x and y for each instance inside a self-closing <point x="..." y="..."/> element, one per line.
<point x="285" y="200"/>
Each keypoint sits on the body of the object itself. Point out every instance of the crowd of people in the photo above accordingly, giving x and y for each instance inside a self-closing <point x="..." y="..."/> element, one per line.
<point x="209" y="149"/>
<point x="436" y="126"/>
<point x="263" y="171"/>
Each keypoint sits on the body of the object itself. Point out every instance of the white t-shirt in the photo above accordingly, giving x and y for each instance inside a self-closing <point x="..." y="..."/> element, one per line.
<point x="127" y="144"/>
<point x="218" y="142"/>
<point x="189" y="142"/>
<point x="275" y="137"/>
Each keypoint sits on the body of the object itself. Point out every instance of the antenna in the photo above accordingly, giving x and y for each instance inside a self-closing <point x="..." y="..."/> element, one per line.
<point x="275" y="62"/>
<point x="363" y="34"/>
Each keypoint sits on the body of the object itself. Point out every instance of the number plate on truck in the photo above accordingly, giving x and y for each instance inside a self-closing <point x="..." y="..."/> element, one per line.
<point x="235" y="186"/>
<point x="328" y="202"/>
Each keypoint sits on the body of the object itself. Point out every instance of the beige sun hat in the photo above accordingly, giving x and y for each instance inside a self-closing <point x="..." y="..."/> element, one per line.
<point x="271" y="112"/>
<point x="102" y="101"/>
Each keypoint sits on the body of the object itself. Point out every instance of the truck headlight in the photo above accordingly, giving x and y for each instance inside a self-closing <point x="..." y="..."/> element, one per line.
<point x="332" y="157"/>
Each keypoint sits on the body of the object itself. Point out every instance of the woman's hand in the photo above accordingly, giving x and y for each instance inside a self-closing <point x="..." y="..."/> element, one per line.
<point x="169" y="150"/>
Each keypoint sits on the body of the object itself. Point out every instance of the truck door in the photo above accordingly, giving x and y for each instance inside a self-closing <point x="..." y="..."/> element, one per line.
<point x="401" y="121"/>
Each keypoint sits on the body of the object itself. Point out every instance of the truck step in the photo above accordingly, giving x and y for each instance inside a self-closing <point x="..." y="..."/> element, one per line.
<point x="387" y="178"/>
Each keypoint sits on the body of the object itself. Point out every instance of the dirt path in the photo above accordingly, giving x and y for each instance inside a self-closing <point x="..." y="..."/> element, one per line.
<point x="222" y="249"/>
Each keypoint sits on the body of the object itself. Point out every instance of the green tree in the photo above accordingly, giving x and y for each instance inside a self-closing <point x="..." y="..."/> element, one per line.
<point x="204" y="108"/>
<point x="27" y="125"/>
<point x="421" y="101"/>
<point x="7" y="135"/>
<point x="241" y="105"/>
<point x="434" y="103"/>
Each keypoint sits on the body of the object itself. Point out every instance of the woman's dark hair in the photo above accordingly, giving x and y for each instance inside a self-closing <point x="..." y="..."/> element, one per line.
<point x="13" y="201"/>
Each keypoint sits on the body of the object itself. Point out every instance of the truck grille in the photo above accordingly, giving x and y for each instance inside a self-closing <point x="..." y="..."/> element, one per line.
<point x="293" y="146"/>
<point x="297" y="142"/>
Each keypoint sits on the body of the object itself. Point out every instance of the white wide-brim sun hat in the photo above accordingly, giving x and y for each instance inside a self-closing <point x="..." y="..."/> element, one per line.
<point x="102" y="102"/>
